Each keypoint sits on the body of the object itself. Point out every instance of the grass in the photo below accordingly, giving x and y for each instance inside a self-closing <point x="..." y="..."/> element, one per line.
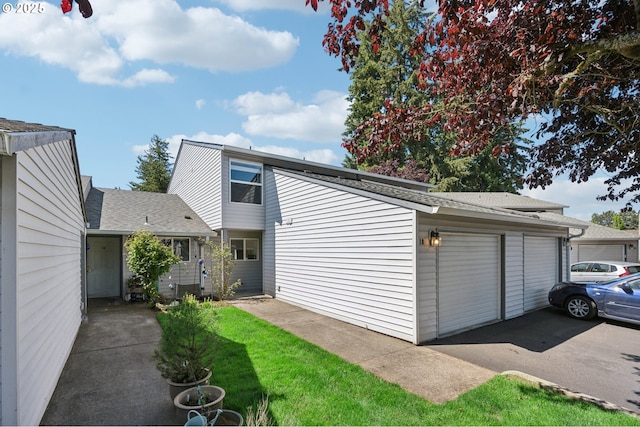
<point x="299" y="383"/>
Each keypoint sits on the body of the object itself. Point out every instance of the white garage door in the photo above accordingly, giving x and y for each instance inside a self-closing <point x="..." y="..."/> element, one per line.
<point x="468" y="281"/>
<point x="540" y="270"/>
<point x="600" y="252"/>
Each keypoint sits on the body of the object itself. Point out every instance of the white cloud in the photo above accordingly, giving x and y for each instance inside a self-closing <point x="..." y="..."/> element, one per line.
<point x="257" y="103"/>
<point x="145" y="76"/>
<point x="200" y="103"/>
<point x="320" y="156"/>
<point x="122" y="32"/>
<point x="277" y="116"/>
<point x="581" y="198"/>
<point x="197" y="37"/>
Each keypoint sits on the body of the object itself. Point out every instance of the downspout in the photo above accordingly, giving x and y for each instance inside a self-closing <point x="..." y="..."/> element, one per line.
<point x="568" y="248"/>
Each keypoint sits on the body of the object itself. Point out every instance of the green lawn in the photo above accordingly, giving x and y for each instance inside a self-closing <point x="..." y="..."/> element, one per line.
<point x="306" y="385"/>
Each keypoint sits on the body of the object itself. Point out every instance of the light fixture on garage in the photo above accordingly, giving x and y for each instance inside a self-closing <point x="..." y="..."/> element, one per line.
<point x="434" y="239"/>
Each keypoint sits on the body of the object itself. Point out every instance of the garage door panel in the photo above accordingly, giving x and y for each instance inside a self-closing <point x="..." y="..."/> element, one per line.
<point x="540" y="270"/>
<point x="468" y="281"/>
<point x="601" y="253"/>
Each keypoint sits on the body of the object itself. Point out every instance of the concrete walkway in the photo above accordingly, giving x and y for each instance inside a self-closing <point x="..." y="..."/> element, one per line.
<point x="110" y="377"/>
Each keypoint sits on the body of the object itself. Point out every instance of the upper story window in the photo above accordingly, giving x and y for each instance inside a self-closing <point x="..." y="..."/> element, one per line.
<point x="246" y="182"/>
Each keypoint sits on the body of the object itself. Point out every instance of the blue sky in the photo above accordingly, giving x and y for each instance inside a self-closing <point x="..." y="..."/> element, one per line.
<point x="250" y="73"/>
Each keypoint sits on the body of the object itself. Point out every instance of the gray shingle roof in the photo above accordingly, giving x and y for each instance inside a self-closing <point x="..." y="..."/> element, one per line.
<point x="17" y="126"/>
<point x="124" y="211"/>
<point x="435" y="200"/>
<point x="503" y="200"/>
<point x="600" y="232"/>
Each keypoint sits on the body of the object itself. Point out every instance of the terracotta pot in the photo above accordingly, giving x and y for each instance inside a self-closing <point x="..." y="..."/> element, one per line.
<point x="229" y="418"/>
<point x="175" y="388"/>
<point x="182" y="399"/>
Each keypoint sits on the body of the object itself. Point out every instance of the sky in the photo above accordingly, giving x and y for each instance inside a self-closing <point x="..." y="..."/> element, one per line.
<point x="248" y="73"/>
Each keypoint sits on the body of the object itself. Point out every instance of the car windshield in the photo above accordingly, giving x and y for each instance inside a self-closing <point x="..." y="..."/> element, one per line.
<point x="633" y="268"/>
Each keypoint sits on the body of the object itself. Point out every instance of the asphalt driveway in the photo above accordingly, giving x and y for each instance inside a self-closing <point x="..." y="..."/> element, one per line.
<point x="600" y="357"/>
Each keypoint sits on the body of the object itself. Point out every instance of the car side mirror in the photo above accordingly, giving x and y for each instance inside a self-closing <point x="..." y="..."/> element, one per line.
<point x="625" y="287"/>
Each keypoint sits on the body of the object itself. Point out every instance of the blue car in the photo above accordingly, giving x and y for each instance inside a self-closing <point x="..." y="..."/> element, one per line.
<point x="617" y="299"/>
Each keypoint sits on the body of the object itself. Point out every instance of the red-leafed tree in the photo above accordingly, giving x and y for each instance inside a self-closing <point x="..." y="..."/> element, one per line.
<point x="496" y="62"/>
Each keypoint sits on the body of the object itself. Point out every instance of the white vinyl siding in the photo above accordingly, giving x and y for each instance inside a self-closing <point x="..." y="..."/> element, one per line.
<point x="344" y="255"/>
<point x="197" y="179"/>
<point x="540" y="270"/>
<point x="468" y="281"/>
<point x="273" y="217"/>
<point x="514" y="275"/>
<point x="427" y="296"/>
<point x="50" y="227"/>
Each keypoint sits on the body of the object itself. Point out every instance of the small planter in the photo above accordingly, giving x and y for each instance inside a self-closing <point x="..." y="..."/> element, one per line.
<point x="228" y="418"/>
<point x="176" y="388"/>
<point x="187" y="400"/>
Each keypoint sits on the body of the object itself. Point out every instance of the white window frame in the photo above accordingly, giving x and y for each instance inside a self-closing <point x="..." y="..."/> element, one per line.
<point x="244" y="248"/>
<point x="171" y="241"/>
<point x="239" y="164"/>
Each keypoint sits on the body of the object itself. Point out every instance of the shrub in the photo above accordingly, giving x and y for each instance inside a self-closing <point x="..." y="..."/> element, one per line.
<point x="149" y="258"/>
<point x="187" y="343"/>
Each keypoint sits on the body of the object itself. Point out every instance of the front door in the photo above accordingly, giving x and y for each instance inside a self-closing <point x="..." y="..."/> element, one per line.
<point x="103" y="266"/>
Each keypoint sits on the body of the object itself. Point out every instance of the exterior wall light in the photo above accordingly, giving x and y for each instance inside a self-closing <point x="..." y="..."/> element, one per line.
<point x="434" y="239"/>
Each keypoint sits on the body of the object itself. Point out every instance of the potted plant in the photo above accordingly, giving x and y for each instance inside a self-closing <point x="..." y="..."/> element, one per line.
<point x="206" y="399"/>
<point x="187" y="344"/>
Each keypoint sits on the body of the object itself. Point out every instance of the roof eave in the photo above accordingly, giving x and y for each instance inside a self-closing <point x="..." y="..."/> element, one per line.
<point x="13" y="142"/>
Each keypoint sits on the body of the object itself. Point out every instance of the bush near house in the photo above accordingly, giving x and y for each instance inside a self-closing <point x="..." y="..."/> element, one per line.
<point x="149" y="258"/>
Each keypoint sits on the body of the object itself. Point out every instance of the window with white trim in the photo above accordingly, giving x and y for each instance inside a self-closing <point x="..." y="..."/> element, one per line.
<point x="246" y="182"/>
<point x="180" y="245"/>
<point x="244" y="249"/>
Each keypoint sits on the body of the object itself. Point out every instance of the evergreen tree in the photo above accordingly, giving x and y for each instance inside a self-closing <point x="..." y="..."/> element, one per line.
<point x="154" y="168"/>
<point x="389" y="77"/>
<point x="626" y="219"/>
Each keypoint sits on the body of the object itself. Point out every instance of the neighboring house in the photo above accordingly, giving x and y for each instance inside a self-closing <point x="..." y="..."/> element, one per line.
<point x="602" y="243"/>
<point x="588" y="241"/>
<point x="356" y="246"/>
<point x="42" y="234"/>
<point x="113" y="215"/>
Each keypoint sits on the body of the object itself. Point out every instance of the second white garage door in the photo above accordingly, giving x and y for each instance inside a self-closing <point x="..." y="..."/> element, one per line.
<point x="600" y="252"/>
<point x="468" y="281"/>
<point x="540" y="270"/>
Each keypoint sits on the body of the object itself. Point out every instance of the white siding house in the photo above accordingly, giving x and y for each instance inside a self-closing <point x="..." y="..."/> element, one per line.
<point x="41" y="268"/>
<point x="113" y="215"/>
<point x="356" y="246"/>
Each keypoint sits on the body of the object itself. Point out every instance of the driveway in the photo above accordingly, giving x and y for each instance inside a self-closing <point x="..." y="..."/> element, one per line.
<point x="600" y="357"/>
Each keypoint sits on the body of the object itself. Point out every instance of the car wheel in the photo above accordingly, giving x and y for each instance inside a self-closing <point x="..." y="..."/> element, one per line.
<point x="580" y="307"/>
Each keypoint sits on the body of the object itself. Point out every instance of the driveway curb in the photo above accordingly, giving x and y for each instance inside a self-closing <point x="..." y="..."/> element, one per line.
<point x="548" y="385"/>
